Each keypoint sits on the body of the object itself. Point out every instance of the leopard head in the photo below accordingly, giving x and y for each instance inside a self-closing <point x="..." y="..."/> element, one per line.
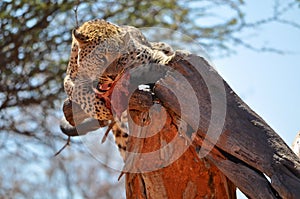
<point x="101" y="52"/>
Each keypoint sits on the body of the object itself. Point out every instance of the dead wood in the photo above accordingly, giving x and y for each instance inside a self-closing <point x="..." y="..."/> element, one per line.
<point x="251" y="148"/>
<point x="164" y="164"/>
<point x="245" y="152"/>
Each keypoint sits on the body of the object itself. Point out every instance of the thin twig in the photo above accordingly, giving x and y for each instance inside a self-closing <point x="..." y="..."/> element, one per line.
<point x="76" y="13"/>
<point x="121" y="175"/>
<point x="107" y="131"/>
<point x="67" y="144"/>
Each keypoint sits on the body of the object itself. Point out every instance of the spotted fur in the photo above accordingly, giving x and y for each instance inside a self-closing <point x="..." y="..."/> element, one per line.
<point x="101" y="53"/>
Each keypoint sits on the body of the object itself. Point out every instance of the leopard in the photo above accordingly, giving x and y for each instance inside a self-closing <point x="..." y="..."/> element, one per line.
<point x="101" y="53"/>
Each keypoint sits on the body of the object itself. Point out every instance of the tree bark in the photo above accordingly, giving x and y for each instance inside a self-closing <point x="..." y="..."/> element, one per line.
<point x="244" y="153"/>
<point x="161" y="163"/>
<point x="251" y="148"/>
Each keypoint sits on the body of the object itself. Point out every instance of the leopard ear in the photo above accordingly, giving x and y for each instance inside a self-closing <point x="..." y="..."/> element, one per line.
<point x="81" y="39"/>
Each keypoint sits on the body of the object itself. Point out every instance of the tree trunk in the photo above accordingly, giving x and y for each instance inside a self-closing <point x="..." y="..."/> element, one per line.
<point x="174" y="152"/>
<point x="161" y="163"/>
<point x="245" y="151"/>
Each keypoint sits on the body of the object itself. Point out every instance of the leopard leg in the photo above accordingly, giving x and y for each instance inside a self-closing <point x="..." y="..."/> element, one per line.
<point x="120" y="131"/>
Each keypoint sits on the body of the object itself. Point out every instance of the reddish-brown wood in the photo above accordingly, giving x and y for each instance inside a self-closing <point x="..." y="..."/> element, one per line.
<point x="172" y="172"/>
<point x="246" y="150"/>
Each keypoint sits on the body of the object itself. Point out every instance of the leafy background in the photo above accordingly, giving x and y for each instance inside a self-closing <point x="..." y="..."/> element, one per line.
<point x="254" y="45"/>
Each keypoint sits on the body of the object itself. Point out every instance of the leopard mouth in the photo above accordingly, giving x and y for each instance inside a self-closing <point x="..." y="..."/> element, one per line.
<point x="103" y="93"/>
<point x="114" y="94"/>
<point x="101" y="89"/>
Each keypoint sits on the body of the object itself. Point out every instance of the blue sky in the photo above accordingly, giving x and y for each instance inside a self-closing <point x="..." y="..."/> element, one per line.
<point x="268" y="82"/>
